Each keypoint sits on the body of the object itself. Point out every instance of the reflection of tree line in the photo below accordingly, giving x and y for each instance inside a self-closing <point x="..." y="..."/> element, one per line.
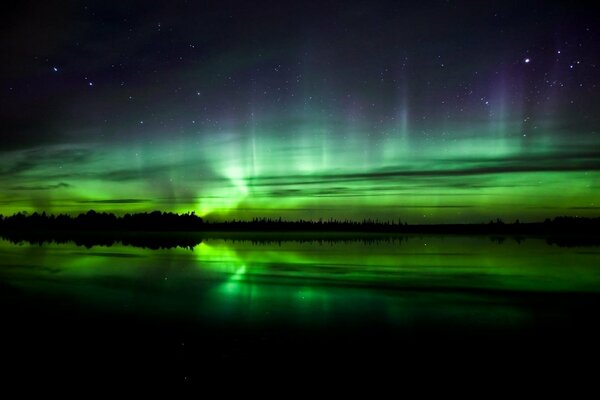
<point x="166" y="230"/>
<point x="187" y="240"/>
<point x="152" y="240"/>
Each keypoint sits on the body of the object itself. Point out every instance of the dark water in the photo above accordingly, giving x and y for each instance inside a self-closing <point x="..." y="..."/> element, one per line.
<point x="415" y="303"/>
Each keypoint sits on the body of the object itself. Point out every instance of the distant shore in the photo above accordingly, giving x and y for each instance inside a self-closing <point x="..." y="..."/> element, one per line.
<point x="157" y="221"/>
<point x="167" y="230"/>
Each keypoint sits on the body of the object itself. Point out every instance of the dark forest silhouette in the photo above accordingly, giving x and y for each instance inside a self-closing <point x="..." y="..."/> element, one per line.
<point x="157" y="221"/>
<point x="102" y="221"/>
<point x="166" y="230"/>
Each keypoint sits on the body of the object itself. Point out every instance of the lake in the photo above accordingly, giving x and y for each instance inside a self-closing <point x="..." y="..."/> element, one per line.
<point x="326" y="300"/>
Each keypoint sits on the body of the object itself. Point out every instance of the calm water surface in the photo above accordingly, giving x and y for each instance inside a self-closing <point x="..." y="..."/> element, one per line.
<point x="227" y="300"/>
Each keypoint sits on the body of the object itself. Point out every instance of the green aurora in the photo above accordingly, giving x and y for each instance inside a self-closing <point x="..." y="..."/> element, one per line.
<point x="320" y="171"/>
<point x="308" y="282"/>
<point x="377" y="110"/>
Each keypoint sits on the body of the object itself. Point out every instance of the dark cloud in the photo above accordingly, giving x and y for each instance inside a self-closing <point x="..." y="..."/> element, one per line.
<point x="436" y="206"/>
<point x="107" y="254"/>
<point x="193" y="169"/>
<point x="114" y="201"/>
<point x="60" y="185"/>
<point x="18" y="162"/>
<point x="391" y="174"/>
<point x="557" y="155"/>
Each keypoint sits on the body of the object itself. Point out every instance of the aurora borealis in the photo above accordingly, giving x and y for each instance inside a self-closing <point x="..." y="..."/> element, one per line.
<point x="436" y="111"/>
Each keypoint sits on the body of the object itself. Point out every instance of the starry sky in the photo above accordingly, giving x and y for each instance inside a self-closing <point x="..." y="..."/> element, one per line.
<point x="427" y="111"/>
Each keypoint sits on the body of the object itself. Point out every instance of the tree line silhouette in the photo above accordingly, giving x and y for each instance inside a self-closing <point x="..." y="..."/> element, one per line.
<point x="102" y="221"/>
<point x="158" y="221"/>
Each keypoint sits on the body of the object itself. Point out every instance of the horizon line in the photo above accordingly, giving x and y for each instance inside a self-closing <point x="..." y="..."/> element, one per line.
<point x="279" y="220"/>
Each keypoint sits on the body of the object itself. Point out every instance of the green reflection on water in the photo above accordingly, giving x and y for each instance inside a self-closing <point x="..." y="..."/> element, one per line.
<point x="439" y="279"/>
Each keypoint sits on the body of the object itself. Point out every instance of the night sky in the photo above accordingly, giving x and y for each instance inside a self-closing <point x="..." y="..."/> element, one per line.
<point x="428" y="111"/>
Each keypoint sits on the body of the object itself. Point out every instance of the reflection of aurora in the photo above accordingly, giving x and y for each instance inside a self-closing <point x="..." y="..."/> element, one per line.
<point x="492" y="171"/>
<point x="419" y="262"/>
<point x="306" y="282"/>
<point x="317" y="282"/>
<point x="411" y="262"/>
